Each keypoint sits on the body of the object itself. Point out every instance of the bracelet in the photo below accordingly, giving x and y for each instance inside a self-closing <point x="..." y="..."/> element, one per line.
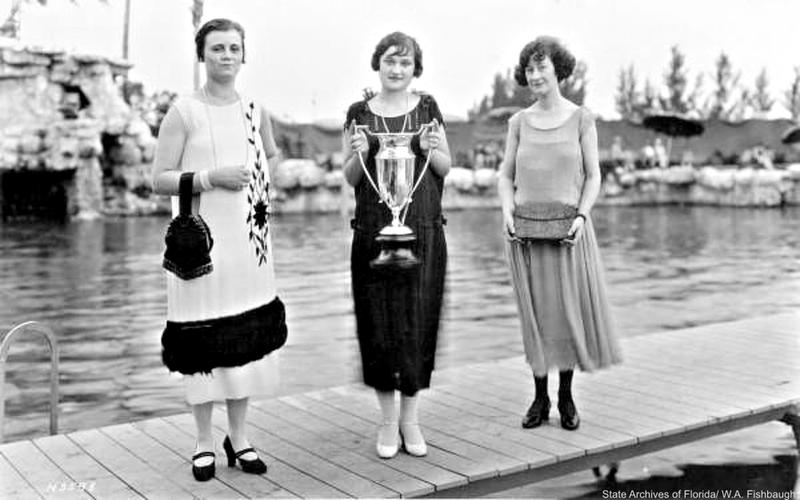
<point x="205" y="180"/>
<point x="582" y="216"/>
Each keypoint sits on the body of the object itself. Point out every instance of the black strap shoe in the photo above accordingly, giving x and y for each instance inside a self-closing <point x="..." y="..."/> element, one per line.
<point x="255" y="466"/>
<point x="205" y="472"/>
<point x="569" y="414"/>
<point x="538" y="413"/>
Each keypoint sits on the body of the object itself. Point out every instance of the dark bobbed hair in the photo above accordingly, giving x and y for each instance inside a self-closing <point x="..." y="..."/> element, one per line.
<point x="404" y="43"/>
<point x="219" y="24"/>
<point x="545" y="46"/>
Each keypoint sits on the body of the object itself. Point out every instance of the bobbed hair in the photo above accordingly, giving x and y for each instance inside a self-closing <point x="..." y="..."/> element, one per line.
<point x="219" y="24"/>
<point x="404" y="44"/>
<point x="545" y="46"/>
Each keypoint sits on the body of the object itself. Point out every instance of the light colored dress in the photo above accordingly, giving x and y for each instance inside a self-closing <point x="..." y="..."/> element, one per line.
<point x="560" y="289"/>
<point x="243" y="277"/>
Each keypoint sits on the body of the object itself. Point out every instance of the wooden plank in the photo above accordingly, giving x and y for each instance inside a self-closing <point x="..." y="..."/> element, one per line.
<point x="746" y="382"/>
<point x="748" y="352"/>
<point x="639" y="427"/>
<point x="144" y="479"/>
<point x="732" y="397"/>
<point x="12" y="484"/>
<point x="597" y="389"/>
<point x="485" y="488"/>
<point x="461" y="466"/>
<point x="40" y="472"/>
<point x="623" y="375"/>
<point x="740" y="362"/>
<point x="606" y="417"/>
<point x="489" y="463"/>
<point x="597" y="440"/>
<point x="648" y="404"/>
<point x="321" y="468"/>
<point x="588" y="385"/>
<point x="292" y="424"/>
<point x="734" y="339"/>
<point x="673" y="387"/>
<point x="431" y="473"/>
<point x="85" y="472"/>
<point x="500" y="425"/>
<point x="174" y="463"/>
<point x="180" y="437"/>
<point x="784" y="325"/>
<point x="463" y="440"/>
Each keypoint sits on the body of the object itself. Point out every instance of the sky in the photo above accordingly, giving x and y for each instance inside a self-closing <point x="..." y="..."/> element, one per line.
<point x="307" y="60"/>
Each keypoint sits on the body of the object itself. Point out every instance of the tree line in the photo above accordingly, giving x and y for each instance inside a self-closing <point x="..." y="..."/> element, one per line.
<point x="726" y="97"/>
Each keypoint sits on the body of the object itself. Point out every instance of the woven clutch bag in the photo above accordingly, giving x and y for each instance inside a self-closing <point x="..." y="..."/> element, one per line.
<point x="544" y="221"/>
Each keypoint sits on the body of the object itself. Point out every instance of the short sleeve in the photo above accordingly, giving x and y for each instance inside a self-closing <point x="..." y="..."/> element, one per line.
<point x="432" y="107"/>
<point x="354" y="112"/>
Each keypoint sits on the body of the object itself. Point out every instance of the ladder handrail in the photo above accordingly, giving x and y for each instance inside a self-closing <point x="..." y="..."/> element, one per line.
<point x="5" y="345"/>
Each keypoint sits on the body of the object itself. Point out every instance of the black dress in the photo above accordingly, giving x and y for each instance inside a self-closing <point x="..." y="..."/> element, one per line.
<point x="397" y="316"/>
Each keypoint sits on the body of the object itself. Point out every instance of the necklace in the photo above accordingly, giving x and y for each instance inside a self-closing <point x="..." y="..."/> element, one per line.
<point x="211" y="128"/>
<point x="405" y="120"/>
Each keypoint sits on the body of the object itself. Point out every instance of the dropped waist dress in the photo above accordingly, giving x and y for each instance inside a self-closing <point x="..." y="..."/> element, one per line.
<point x="241" y="288"/>
<point x="560" y="289"/>
<point x="397" y="315"/>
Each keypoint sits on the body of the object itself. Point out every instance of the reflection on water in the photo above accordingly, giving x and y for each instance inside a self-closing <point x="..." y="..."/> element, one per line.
<point x="100" y="286"/>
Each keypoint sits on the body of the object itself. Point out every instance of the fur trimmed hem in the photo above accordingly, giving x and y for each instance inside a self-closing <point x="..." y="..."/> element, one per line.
<point x="192" y="347"/>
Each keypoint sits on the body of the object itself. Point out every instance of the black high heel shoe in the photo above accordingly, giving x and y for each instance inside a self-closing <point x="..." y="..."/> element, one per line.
<point x="255" y="466"/>
<point x="569" y="414"/>
<point x="205" y="472"/>
<point x="538" y="413"/>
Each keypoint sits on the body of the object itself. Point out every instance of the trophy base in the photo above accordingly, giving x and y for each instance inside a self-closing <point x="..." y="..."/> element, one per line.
<point x="396" y="254"/>
<point x="396" y="232"/>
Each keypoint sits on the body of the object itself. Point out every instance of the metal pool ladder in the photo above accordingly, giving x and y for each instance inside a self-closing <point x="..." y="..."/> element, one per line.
<point x="5" y="345"/>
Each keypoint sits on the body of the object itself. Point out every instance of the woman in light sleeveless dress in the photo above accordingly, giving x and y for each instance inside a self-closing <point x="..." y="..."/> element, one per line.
<point x="551" y="157"/>
<point x="226" y="140"/>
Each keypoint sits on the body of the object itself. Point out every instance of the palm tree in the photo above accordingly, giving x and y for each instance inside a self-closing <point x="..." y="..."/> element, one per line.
<point x="126" y="29"/>
<point x="197" y="16"/>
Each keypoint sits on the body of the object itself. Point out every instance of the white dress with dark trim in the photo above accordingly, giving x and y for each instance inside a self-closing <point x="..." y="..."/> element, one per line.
<point x="243" y="280"/>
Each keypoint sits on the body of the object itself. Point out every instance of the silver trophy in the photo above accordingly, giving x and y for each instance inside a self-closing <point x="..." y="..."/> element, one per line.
<point x="394" y="169"/>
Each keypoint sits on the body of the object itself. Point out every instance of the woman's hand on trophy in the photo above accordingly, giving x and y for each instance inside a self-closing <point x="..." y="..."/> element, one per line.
<point x="357" y="139"/>
<point x="234" y="178"/>
<point x="432" y="136"/>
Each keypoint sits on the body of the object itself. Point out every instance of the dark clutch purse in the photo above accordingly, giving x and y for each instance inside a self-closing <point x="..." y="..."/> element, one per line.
<point x="188" y="239"/>
<point x="544" y="221"/>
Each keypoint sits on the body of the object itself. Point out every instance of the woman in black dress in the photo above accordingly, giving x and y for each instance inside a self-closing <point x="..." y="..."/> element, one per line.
<point x="397" y="315"/>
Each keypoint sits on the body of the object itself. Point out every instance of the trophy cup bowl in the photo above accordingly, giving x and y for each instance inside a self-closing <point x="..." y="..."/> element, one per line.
<point x="394" y="168"/>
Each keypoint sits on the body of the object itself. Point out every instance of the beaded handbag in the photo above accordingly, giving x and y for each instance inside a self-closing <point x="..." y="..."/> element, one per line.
<point x="188" y="239"/>
<point x="544" y="221"/>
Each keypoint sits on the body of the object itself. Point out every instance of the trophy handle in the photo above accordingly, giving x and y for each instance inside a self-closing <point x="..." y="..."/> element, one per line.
<point x="365" y="129"/>
<point x="433" y="125"/>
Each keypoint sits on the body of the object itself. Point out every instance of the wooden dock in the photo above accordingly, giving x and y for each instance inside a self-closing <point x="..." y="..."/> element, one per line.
<point x="674" y="387"/>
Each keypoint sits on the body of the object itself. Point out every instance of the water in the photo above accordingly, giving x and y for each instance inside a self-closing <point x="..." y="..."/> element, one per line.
<point x="99" y="284"/>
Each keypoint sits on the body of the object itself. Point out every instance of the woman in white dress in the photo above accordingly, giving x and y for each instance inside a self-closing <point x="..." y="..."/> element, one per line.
<point x="226" y="140"/>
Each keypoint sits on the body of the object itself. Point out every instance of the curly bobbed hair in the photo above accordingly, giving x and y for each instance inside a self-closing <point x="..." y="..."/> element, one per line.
<point x="404" y="44"/>
<point x="219" y="24"/>
<point x="545" y="46"/>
